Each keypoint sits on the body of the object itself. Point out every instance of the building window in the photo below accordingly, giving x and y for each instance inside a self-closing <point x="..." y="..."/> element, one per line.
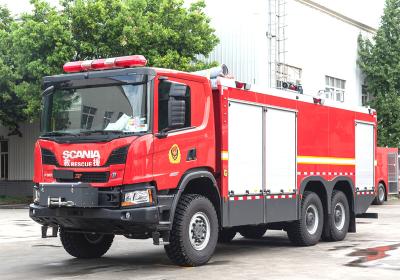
<point x="288" y="77"/>
<point x="366" y="97"/>
<point x="107" y="118"/>
<point x="88" y="114"/>
<point x="3" y="160"/>
<point x="335" y="88"/>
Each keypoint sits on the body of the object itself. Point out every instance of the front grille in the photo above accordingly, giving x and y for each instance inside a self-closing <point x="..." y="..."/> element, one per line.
<point x="88" y="177"/>
<point x="48" y="157"/>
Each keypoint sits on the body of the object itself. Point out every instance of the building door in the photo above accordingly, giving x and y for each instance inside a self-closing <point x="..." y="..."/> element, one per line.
<point x="3" y="159"/>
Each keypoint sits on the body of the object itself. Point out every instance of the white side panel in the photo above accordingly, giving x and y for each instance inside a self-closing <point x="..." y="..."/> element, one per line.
<point x="364" y="156"/>
<point x="280" y="151"/>
<point x="245" y="148"/>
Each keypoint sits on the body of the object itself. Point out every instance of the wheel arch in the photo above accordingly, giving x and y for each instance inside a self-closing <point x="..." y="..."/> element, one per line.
<point x="319" y="186"/>
<point x="198" y="181"/>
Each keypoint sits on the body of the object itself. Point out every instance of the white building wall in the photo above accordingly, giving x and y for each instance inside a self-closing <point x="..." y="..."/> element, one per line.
<point x="243" y="45"/>
<point x="317" y="42"/>
<point x="321" y="45"/>
<point x="20" y="151"/>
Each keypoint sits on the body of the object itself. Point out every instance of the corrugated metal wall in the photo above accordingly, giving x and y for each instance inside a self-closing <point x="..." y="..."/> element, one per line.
<point x="243" y="43"/>
<point x="20" y="151"/>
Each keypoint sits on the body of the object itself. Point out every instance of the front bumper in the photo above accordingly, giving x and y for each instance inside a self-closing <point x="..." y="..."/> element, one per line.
<point x="141" y="220"/>
<point x="80" y="207"/>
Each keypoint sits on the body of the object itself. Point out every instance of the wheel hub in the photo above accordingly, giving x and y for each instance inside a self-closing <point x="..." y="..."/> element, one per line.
<point x="339" y="216"/>
<point x="381" y="194"/>
<point x="312" y="219"/>
<point x="199" y="231"/>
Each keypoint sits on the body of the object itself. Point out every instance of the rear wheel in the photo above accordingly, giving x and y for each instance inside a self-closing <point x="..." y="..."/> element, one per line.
<point x="380" y="197"/>
<point x="339" y="220"/>
<point x="85" y="245"/>
<point x="253" y="232"/>
<point x="194" y="233"/>
<point x="307" y="231"/>
<point x="226" y="235"/>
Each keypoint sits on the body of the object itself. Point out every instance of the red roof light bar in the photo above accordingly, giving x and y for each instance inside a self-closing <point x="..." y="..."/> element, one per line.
<point x="108" y="63"/>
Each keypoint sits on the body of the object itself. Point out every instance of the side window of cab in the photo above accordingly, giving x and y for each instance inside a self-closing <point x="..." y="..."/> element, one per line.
<point x="174" y="106"/>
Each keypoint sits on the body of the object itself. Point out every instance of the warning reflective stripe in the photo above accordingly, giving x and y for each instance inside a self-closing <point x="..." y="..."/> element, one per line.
<point x="325" y="160"/>
<point x="224" y="155"/>
<point x="366" y="193"/>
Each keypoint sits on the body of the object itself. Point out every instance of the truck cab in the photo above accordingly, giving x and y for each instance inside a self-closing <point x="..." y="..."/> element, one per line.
<point x="114" y="147"/>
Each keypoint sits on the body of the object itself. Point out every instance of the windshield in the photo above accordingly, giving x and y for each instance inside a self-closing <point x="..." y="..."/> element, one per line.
<point x="110" y="108"/>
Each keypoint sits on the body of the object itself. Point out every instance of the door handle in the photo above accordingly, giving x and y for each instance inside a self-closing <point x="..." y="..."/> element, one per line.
<point x="191" y="155"/>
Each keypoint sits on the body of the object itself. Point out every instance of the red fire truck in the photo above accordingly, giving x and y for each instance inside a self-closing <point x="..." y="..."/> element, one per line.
<point x="188" y="160"/>
<point x="387" y="181"/>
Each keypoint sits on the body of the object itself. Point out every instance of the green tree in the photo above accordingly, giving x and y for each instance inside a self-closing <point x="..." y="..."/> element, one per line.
<point x="167" y="32"/>
<point x="379" y="59"/>
<point x="11" y="107"/>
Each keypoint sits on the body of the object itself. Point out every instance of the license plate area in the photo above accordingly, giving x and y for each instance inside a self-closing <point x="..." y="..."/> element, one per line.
<point x="68" y="195"/>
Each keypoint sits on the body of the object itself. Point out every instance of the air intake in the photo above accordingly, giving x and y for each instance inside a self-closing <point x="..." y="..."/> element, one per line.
<point x="48" y="157"/>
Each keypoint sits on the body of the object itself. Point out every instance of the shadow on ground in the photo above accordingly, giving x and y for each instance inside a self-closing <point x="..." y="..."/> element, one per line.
<point x="153" y="260"/>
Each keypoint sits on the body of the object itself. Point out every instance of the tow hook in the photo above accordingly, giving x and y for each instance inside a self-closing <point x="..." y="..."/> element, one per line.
<point x="57" y="202"/>
<point x="53" y="232"/>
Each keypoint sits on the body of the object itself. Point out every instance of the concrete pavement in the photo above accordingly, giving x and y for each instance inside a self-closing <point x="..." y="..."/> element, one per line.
<point x="371" y="253"/>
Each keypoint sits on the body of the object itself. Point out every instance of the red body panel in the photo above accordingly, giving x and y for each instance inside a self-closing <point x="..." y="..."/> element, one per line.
<point x="381" y="168"/>
<point x="322" y="131"/>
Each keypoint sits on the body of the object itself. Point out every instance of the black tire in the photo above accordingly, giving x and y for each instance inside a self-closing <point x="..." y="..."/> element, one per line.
<point x="85" y="246"/>
<point x="307" y="232"/>
<point x="253" y="232"/>
<point x="339" y="219"/>
<point x="226" y="235"/>
<point x="380" y="197"/>
<point x="180" y="249"/>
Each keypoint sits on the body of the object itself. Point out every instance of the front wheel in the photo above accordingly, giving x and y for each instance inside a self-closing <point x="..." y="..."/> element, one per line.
<point x="194" y="233"/>
<point x="307" y="231"/>
<point x="380" y="197"/>
<point x="85" y="245"/>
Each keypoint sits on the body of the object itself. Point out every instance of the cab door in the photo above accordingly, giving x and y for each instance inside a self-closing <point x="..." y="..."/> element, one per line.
<point x="181" y="135"/>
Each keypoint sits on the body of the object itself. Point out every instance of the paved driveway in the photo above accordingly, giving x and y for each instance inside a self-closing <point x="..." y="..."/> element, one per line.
<point x="371" y="253"/>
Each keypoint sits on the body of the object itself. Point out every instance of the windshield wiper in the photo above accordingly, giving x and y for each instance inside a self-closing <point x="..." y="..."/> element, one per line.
<point x="101" y="131"/>
<point x="58" y="133"/>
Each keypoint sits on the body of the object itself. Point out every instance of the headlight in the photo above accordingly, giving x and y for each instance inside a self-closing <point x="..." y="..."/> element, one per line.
<point x="137" y="197"/>
<point x="36" y="195"/>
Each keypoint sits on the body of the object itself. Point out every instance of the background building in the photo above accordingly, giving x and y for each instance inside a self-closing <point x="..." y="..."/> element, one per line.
<point x="263" y="42"/>
<point x="312" y="43"/>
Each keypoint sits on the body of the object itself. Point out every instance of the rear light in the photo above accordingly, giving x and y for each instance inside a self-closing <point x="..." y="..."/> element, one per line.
<point x="319" y="101"/>
<point x="108" y="63"/>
